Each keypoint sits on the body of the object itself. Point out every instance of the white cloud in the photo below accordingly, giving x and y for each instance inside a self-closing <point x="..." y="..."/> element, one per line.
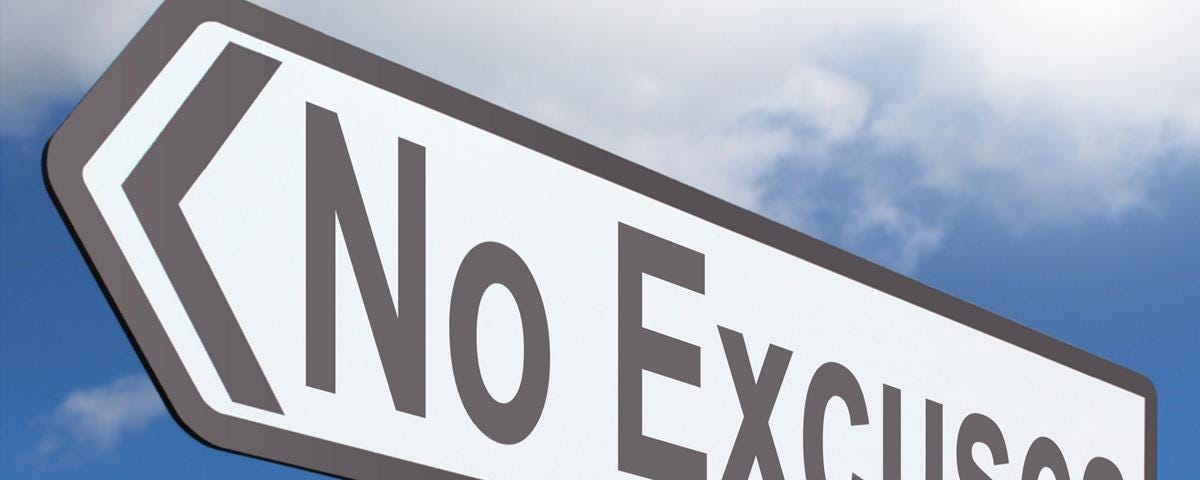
<point x="94" y="420"/>
<point x="52" y="51"/>
<point x="867" y="122"/>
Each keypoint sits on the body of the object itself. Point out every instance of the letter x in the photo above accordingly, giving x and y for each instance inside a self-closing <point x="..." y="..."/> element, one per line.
<point x="757" y="397"/>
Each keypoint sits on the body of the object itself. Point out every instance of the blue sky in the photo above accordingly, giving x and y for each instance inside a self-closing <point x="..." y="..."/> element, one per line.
<point x="1037" y="162"/>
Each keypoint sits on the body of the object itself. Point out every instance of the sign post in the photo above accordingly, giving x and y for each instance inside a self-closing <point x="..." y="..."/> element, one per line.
<point x="331" y="261"/>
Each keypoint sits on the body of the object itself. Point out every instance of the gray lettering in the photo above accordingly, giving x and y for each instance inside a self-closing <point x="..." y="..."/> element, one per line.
<point x="1043" y="454"/>
<point x="333" y="196"/>
<point x="1101" y="468"/>
<point x="832" y="380"/>
<point x="977" y="428"/>
<point x="891" y="433"/>
<point x="757" y="398"/>
<point x="485" y="265"/>
<point x="644" y="349"/>
<point x="933" y="440"/>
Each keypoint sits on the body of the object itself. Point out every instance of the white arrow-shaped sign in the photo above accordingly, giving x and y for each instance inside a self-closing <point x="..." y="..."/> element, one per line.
<point x="331" y="261"/>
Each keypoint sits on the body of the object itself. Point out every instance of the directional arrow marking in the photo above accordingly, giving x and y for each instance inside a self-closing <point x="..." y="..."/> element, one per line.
<point x="158" y="184"/>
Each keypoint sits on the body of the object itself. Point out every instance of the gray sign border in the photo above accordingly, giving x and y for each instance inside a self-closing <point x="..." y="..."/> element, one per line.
<point x="103" y="107"/>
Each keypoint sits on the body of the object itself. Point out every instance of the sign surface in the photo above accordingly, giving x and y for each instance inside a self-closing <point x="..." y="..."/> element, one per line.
<point x="331" y="261"/>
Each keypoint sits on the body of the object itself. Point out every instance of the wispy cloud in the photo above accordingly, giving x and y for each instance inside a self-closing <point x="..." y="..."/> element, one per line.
<point x="878" y="125"/>
<point x="93" y="421"/>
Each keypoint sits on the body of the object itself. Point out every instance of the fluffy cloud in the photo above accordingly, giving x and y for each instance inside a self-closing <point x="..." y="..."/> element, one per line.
<point x="94" y="420"/>
<point x="52" y="51"/>
<point x="872" y="124"/>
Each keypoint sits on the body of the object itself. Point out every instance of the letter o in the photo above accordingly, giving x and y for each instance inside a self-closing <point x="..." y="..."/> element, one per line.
<point x="487" y="264"/>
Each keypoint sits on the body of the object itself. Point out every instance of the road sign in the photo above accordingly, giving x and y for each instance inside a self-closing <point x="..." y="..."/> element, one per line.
<point x="331" y="261"/>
